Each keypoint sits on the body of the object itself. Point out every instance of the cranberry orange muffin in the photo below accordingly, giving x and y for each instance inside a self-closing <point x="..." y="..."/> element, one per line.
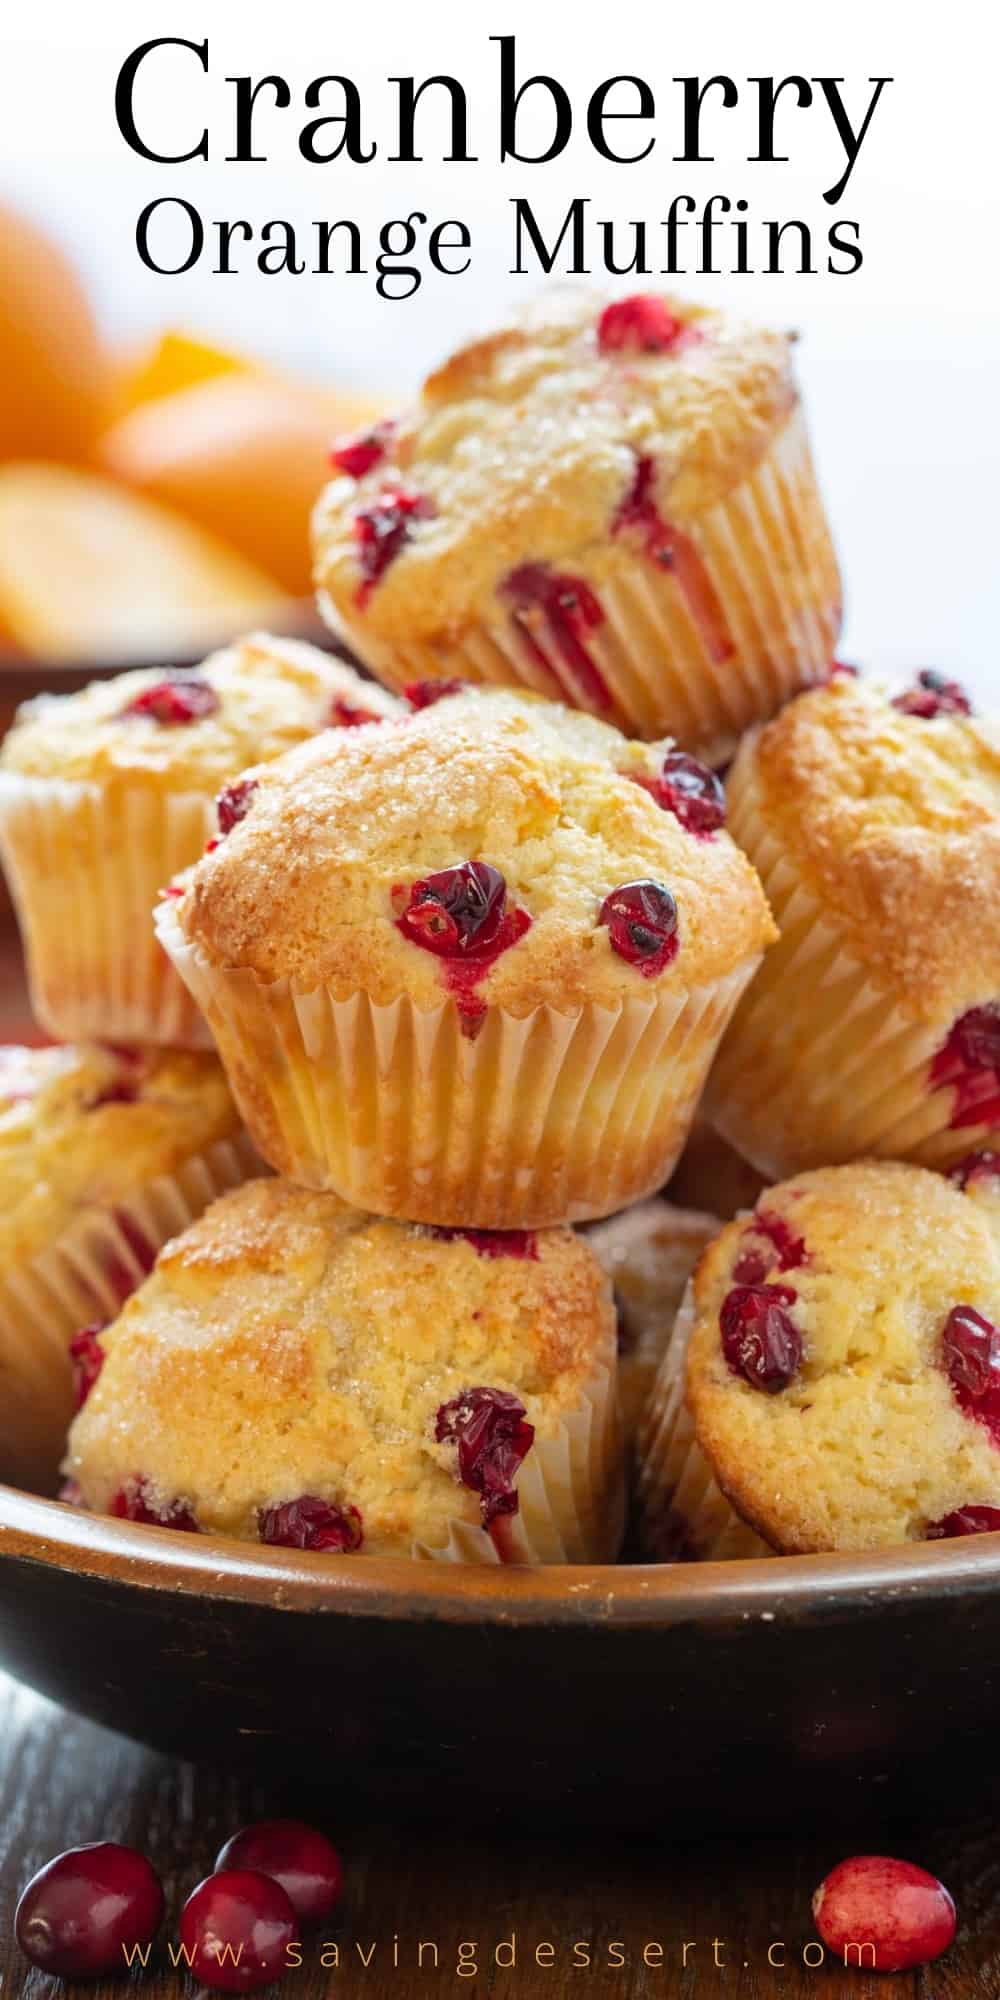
<point x="472" y="970"/>
<point x="710" y="1174"/>
<point x="614" y="505"/>
<point x="296" y="1373"/>
<point x="103" y="1154"/>
<point x="875" y="1025"/>
<point x="843" y="1356"/>
<point x="106" y="793"/>
<point x="649" y="1253"/>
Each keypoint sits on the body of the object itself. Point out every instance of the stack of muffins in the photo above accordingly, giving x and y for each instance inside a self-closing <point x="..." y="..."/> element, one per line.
<point x="468" y="953"/>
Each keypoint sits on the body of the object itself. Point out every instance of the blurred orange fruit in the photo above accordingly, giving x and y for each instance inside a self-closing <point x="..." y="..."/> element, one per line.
<point x="173" y="361"/>
<point x="244" y="455"/>
<point x="53" y="372"/>
<point x="88" y="571"/>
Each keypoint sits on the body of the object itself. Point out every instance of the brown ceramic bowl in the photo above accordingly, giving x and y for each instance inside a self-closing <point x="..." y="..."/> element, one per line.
<point x="723" y="1694"/>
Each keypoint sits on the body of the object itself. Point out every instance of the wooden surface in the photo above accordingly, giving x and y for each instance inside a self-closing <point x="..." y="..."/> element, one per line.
<point x="63" y="1781"/>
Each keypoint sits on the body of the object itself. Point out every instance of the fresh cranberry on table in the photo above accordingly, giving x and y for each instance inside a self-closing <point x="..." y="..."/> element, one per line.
<point x="641" y="324"/>
<point x="493" y="1435"/>
<point x="690" y="791"/>
<point x="86" y="1360"/>
<point x="297" y="1856"/>
<point x="893" y="1907"/>
<point x="233" y="803"/>
<point x="174" y="702"/>
<point x="87" y="1909"/>
<point x="311" y="1523"/>
<point x="760" y="1340"/>
<point x="642" y="924"/>
<point x="235" y="1930"/>
<point x="933" y="694"/>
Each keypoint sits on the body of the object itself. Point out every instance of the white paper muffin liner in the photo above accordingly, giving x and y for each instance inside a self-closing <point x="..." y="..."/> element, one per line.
<point x="684" y="1514"/>
<point x="82" y="1277"/>
<point x="767" y="560"/>
<point x="571" y="1494"/>
<point x="86" y="867"/>
<point x="540" y="1119"/>
<point x="821" y="1064"/>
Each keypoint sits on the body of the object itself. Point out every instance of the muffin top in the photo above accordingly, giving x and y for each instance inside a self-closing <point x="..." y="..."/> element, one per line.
<point x="844" y="1368"/>
<point x="478" y="850"/>
<point x="649" y="1253"/>
<point x="891" y="812"/>
<point x="85" y="1126"/>
<point x="192" y="731"/>
<point x="288" y="1350"/>
<point x="526" y="446"/>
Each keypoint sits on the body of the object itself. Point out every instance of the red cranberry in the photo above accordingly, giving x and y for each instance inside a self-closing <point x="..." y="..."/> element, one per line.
<point x="293" y="1854"/>
<point x="840" y="669"/>
<point x="874" y="1904"/>
<point x="457" y="910"/>
<point x="87" y="1359"/>
<point x="84" y="1913"/>
<point x="642" y="324"/>
<point x="347" y="715"/>
<point x="570" y="611"/>
<point x="423" y="694"/>
<point x="934" y="694"/>
<point x="235" y="1930"/>
<point x="787" y="1250"/>
<point x="521" y="1243"/>
<point x="969" y="1061"/>
<point x="310" y="1523"/>
<point x="760" y="1340"/>
<point x="671" y="549"/>
<point x="690" y="791"/>
<point x="642" y="923"/>
<point x="134" y="1502"/>
<point x="982" y="1166"/>
<point x="970" y="1346"/>
<point x="969" y="1520"/>
<point x="381" y="531"/>
<point x="233" y="803"/>
<point x="357" y="455"/>
<point x="493" y="1436"/>
<point x="175" y="701"/>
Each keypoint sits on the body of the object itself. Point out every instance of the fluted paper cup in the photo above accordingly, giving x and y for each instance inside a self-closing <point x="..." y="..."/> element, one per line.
<point x="821" y="1064"/>
<point x="84" y="1276"/>
<point x="542" y="1118"/>
<point x="684" y="1514"/>
<point x="571" y="1495"/>
<point x="87" y="865"/>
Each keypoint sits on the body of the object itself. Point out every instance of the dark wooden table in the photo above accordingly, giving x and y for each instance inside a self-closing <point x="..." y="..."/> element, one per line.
<point x="63" y="1781"/>
<point x="632" y="1905"/>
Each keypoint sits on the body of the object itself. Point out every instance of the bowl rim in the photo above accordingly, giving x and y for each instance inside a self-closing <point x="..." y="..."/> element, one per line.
<point x="54" y="1536"/>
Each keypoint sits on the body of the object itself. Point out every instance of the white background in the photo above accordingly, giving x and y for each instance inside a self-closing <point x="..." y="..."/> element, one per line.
<point x="900" y="360"/>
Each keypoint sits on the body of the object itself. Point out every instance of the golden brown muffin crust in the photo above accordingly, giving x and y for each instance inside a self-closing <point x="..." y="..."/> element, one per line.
<point x="525" y="444"/>
<point x="286" y="1344"/>
<point x="867" y="1445"/>
<point x="86" y="1126"/>
<point x="272" y="694"/>
<point x="894" y="823"/>
<point x="304" y="886"/>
